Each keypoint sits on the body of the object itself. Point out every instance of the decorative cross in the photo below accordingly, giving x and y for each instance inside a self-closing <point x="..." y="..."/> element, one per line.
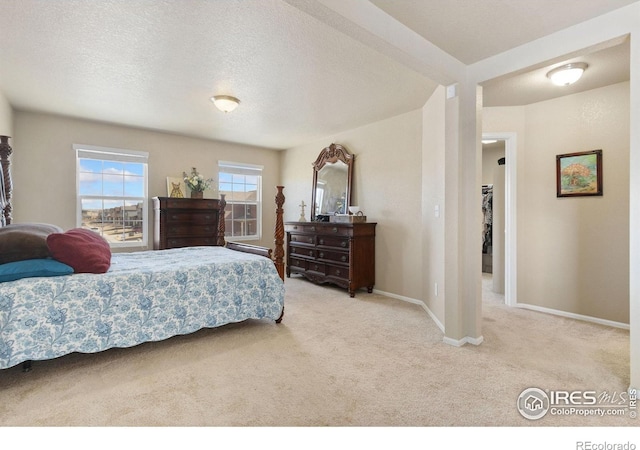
<point x="302" y="206"/>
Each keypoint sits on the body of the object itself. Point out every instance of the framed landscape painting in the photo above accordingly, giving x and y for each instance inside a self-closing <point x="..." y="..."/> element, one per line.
<point x="579" y="174"/>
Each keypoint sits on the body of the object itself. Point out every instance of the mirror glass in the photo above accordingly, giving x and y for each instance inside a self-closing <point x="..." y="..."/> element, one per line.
<point x="331" y="191"/>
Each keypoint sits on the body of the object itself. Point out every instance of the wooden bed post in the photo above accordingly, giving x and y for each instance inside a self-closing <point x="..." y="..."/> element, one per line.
<point x="7" y="185"/>
<point x="221" y="225"/>
<point x="279" y="233"/>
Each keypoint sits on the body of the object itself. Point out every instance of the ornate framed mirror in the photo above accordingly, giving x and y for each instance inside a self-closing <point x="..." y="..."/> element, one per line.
<point x="331" y="189"/>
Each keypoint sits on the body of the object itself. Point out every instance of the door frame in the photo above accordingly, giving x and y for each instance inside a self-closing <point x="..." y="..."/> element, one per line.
<point x="510" y="216"/>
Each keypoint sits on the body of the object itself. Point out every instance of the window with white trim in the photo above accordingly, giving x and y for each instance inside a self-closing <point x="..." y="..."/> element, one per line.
<point x="242" y="185"/>
<point x="111" y="186"/>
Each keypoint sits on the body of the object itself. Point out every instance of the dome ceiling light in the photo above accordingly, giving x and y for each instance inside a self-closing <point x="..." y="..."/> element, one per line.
<point x="225" y="103"/>
<point x="567" y="74"/>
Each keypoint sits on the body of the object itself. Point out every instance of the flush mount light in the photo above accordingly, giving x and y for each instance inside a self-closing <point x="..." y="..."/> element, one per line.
<point x="567" y="74"/>
<point x="225" y="103"/>
<point x="489" y="141"/>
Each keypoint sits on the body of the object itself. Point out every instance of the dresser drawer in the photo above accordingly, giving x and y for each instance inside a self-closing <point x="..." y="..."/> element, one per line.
<point x="317" y="267"/>
<point x="297" y="263"/>
<point x="301" y="228"/>
<point x="190" y="217"/>
<point x="335" y="242"/>
<point x="328" y="255"/>
<point x="303" y="238"/>
<point x="185" y="203"/>
<point x="190" y="242"/>
<point x="178" y="230"/>
<point x="303" y="265"/>
<point x="302" y="251"/>
<point x="338" y="272"/>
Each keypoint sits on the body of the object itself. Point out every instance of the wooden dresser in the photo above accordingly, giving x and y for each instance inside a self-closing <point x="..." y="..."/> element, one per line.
<point x="337" y="253"/>
<point x="185" y="222"/>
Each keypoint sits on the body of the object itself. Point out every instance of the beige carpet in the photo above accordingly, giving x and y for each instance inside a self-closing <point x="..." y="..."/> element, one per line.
<point x="334" y="361"/>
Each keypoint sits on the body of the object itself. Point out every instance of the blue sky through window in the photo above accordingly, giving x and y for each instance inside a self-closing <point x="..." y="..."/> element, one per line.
<point x="109" y="179"/>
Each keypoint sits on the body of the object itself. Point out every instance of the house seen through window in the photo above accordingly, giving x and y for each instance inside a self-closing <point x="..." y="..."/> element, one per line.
<point x="242" y="185"/>
<point x="112" y="194"/>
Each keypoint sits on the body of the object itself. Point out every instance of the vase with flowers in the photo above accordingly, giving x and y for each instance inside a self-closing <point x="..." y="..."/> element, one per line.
<point x="196" y="183"/>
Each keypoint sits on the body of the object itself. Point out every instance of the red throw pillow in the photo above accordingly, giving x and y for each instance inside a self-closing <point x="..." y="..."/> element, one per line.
<point x="84" y="250"/>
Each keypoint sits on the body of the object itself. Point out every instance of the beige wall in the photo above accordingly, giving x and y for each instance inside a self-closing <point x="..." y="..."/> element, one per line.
<point x="490" y="157"/>
<point x="433" y="144"/>
<point x="44" y="164"/>
<point x="573" y="253"/>
<point x="6" y="117"/>
<point x="386" y="186"/>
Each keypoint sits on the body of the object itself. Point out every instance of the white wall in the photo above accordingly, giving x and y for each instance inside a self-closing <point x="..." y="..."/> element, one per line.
<point x="44" y="165"/>
<point x="573" y="253"/>
<point x="386" y="186"/>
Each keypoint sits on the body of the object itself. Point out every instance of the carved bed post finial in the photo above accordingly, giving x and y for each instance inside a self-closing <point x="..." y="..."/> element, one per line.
<point x="279" y="233"/>
<point x="221" y="224"/>
<point x="5" y="152"/>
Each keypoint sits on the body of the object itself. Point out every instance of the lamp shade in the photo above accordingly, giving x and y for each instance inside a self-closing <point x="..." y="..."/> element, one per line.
<point x="225" y="103"/>
<point x="567" y="74"/>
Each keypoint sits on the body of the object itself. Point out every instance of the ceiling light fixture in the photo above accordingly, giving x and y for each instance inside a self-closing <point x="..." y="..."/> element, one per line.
<point x="567" y="74"/>
<point x="225" y="103"/>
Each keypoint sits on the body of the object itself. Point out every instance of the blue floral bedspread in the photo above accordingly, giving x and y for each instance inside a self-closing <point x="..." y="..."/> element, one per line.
<point x="145" y="296"/>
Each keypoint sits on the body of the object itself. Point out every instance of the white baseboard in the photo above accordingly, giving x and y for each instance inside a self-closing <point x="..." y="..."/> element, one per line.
<point x="415" y="302"/>
<point x="463" y="341"/>
<point x="446" y="340"/>
<point x="556" y="312"/>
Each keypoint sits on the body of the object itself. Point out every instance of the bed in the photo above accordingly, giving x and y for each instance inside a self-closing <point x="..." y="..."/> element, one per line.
<point x="142" y="297"/>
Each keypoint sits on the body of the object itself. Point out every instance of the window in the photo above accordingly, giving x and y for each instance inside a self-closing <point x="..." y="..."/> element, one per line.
<point x="242" y="185"/>
<point x="112" y="194"/>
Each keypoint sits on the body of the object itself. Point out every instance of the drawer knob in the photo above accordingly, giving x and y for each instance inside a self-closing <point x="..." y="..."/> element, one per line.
<point x="313" y="228"/>
<point x="338" y="272"/>
<point x="321" y="241"/>
<point x="310" y="252"/>
<point x="334" y="229"/>
<point x="344" y="258"/>
<point x="343" y="244"/>
<point x="321" y="255"/>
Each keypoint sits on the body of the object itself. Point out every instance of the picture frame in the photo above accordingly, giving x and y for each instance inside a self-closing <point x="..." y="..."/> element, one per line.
<point x="579" y="174"/>
<point x="176" y="187"/>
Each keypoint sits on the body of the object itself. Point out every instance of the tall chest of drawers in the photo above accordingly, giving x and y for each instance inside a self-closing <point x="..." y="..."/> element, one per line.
<point x="338" y="253"/>
<point x="185" y="222"/>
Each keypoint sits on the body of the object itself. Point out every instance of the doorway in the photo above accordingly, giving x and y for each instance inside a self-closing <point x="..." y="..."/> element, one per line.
<point x="504" y="234"/>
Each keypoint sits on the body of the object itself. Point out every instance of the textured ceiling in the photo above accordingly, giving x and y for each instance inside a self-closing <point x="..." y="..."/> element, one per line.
<point x="472" y="30"/>
<point x="155" y="63"/>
